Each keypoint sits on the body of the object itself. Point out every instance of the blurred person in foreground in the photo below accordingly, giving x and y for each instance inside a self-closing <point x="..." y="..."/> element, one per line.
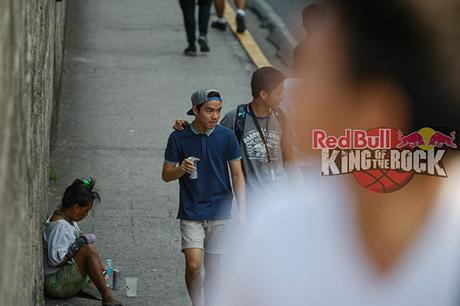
<point x="313" y="16"/>
<point x="378" y="64"/>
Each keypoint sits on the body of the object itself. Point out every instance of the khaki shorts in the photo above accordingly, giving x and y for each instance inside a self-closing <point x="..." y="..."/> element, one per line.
<point x="66" y="282"/>
<point x="208" y="235"/>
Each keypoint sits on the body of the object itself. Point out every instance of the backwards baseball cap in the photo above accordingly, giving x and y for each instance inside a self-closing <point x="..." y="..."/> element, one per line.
<point x="202" y="96"/>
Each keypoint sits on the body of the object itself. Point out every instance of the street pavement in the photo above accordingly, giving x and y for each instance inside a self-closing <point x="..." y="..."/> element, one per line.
<point x="125" y="81"/>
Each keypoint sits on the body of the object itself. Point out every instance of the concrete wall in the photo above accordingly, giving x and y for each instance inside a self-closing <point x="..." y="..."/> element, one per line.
<point x="31" y="36"/>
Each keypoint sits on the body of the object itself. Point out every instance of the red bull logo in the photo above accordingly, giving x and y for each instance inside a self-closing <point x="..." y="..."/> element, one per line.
<point x="384" y="159"/>
<point x="439" y="140"/>
<point x="426" y="139"/>
<point x="411" y="140"/>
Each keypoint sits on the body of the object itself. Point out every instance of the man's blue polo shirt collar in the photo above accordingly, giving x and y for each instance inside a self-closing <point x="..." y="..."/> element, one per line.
<point x="194" y="130"/>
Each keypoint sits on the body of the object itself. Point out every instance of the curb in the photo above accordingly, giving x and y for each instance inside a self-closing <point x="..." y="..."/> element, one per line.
<point x="280" y="36"/>
<point x="246" y="39"/>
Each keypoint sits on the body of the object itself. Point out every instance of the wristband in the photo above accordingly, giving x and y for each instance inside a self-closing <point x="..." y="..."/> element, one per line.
<point x="76" y="246"/>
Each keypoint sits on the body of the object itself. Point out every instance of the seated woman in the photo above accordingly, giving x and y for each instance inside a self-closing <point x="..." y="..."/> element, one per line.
<point x="70" y="258"/>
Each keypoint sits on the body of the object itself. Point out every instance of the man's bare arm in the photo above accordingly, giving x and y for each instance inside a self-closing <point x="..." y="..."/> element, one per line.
<point x="173" y="172"/>
<point x="239" y="187"/>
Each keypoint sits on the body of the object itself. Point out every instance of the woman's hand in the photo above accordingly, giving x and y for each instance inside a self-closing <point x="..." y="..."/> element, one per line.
<point x="66" y="259"/>
<point x="90" y="238"/>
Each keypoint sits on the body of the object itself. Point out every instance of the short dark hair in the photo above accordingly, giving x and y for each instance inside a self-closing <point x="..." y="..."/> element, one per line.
<point x="265" y="78"/>
<point x="388" y="41"/>
<point x="210" y="95"/>
<point x="81" y="192"/>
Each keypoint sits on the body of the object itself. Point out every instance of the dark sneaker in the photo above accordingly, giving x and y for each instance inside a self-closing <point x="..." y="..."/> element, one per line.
<point x="191" y="51"/>
<point x="203" y="42"/>
<point x="219" y="25"/>
<point x="240" y="23"/>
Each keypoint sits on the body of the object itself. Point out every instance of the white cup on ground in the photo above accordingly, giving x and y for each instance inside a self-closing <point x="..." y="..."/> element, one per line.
<point x="131" y="286"/>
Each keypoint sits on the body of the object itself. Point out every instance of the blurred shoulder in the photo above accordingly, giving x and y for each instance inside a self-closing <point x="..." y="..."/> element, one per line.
<point x="308" y="204"/>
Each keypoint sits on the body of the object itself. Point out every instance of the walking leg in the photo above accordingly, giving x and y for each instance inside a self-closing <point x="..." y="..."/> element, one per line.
<point x="188" y="11"/>
<point x="193" y="279"/>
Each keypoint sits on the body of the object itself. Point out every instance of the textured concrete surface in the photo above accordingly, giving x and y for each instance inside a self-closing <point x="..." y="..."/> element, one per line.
<point x="283" y="21"/>
<point x="125" y="81"/>
<point x="290" y="13"/>
<point x="30" y="32"/>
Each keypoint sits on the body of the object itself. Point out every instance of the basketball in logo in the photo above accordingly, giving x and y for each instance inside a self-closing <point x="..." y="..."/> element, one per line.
<point x="384" y="180"/>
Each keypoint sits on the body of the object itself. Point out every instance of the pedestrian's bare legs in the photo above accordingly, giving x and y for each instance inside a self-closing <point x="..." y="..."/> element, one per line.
<point x="240" y="4"/>
<point x="193" y="277"/>
<point x="89" y="263"/>
<point x="220" y="8"/>
<point x="240" y="19"/>
<point x="212" y="277"/>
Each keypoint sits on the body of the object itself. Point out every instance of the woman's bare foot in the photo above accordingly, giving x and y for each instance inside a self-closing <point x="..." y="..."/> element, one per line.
<point x="110" y="301"/>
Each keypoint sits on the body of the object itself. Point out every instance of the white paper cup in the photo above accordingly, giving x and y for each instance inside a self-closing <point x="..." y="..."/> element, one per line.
<point x="131" y="286"/>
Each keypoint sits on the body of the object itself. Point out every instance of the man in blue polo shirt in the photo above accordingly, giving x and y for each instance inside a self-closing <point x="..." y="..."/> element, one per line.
<point x="206" y="201"/>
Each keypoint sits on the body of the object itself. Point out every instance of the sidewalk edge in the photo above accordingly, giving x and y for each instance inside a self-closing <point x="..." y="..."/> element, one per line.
<point x="246" y="39"/>
<point x="280" y="35"/>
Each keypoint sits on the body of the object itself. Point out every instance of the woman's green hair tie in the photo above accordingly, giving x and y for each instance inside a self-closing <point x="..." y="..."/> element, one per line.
<point x="87" y="183"/>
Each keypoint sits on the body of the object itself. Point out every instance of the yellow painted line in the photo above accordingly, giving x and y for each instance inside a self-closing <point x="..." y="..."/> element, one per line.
<point x="246" y="39"/>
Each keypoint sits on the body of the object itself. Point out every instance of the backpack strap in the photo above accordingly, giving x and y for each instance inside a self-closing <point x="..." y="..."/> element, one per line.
<point x="240" y="120"/>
